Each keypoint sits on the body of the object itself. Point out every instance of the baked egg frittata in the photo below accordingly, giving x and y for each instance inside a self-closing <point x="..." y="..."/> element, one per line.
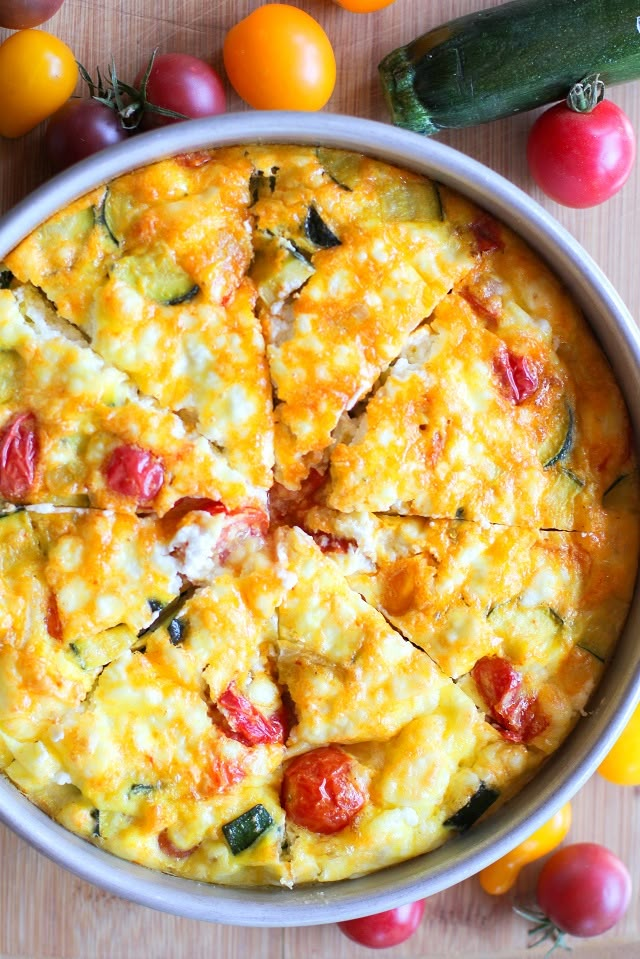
<point x="319" y="515"/>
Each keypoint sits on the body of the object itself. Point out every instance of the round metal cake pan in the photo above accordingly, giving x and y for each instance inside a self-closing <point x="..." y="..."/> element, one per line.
<point x="615" y="697"/>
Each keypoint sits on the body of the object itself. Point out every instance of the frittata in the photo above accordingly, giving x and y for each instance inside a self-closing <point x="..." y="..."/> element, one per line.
<point x="319" y="515"/>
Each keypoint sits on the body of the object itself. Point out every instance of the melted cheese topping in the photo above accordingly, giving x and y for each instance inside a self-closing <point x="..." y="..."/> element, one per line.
<point x="392" y="451"/>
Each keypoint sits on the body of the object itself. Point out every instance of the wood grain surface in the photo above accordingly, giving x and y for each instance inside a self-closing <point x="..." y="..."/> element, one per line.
<point x="47" y="913"/>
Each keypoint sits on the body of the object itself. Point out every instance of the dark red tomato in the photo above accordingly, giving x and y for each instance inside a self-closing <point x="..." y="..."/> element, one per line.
<point x="581" y="159"/>
<point x="18" y="456"/>
<point x="385" y="929"/>
<point x="331" y="544"/>
<point x="487" y="234"/>
<point x="170" y="849"/>
<point x="584" y="889"/>
<point x="21" y="14"/>
<point x="247" y="724"/>
<point x="517" y="374"/>
<point x="183" y="84"/>
<point x="54" y="624"/>
<point x="515" y="713"/>
<point x="134" y="472"/>
<point x="320" y="791"/>
<point x="79" y="129"/>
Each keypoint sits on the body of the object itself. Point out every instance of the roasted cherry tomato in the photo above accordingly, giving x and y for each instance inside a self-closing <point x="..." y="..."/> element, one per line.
<point x="19" y="14"/>
<point x="134" y="472"/>
<point x="622" y="763"/>
<point x="54" y="623"/>
<point x="182" y="84"/>
<point x="320" y="790"/>
<point x="248" y="724"/>
<point x="170" y="849"/>
<point x="584" y="889"/>
<point x="37" y="75"/>
<point x="517" y="375"/>
<point x="18" y="456"/>
<point x="78" y="129"/>
<point x="280" y="58"/>
<point x="502" y="874"/>
<point x="514" y="712"/>
<point x="581" y="159"/>
<point x="385" y="929"/>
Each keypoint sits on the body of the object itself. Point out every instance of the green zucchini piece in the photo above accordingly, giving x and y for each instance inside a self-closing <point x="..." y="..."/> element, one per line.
<point x="559" y="445"/>
<point x="467" y="815"/>
<point x="278" y="269"/>
<point x="342" y="167"/>
<point x="103" y="218"/>
<point x="95" y="815"/>
<point x="6" y="276"/>
<point x="592" y="652"/>
<point x="262" y="184"/>
<point x="141" y="789"/>
<point x="526" y="630"/>
<point x="317" y="231"/>
<point x="512" y="57"/>
<point x="11" y="371"/>
<point x="624" y="493"/>
<point x="156" y="276"/>
<point x="242" y="832"/>
<point x="417" y="202"/>
<point x="155" y="605"/>
<point x="177" y="628"/>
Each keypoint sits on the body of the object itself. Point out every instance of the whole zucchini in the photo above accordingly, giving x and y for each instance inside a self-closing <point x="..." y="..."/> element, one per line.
<point x="514" y="57"/>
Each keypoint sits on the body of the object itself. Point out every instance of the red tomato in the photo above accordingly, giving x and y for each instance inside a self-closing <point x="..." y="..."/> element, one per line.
<point x="80" y="128"/>
<point x="247" y="723"/>
<point x="329" y="543"/>
<point x="18" y="456"/>
<point x="54" y="624"/>
<point x="385" y="929"/>
<point x="584" y="889"/>
<point x="170" y="849"/>
<point x="320" y="791"/>
<point x="19" y="14"/>
<point x="517" y="374"/>
<point x="134" y="472"/>
<point x="487" y="234"/>
<point x="183" y="84"/>
<point x="581" y="159"/>
<point x="514" y="712"/>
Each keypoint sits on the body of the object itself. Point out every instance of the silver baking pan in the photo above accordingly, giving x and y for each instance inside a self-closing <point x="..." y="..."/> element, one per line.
<point x="615" y="697"/>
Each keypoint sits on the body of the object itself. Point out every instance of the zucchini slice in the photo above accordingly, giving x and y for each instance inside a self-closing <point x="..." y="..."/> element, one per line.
<point x="141" y="789"/>
<point x="624" y="493"/>
<point x="342" y="167"/>
<point x="560" y="443"/>
<point x="476" y="806"/>
<point x="531" y="632"/>
<point x="242" y="832"/>
<point x="512" y="57"/>
<point x="102" y="216"/>
<point x="176" y="629"/>
<point x="417" y="202"/>
<point x="317" y="231"/>
<point x="156" y="276"/>
<point x="262" y="184"/>
<point x="278" y="269"/>
<point x="6" y="276"/>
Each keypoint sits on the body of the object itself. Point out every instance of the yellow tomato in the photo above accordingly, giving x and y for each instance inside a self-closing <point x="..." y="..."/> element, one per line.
<point x="501" y="875"/>
<point x="622" y="764"/>
<point x="37" y="75"/>
<point x="363" y="6"/>
<point x="280" y="58"/>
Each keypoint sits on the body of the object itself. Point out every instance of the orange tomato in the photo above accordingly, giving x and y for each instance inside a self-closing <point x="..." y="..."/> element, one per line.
<point x="363" y="6"/>
<point x="37" y="75"/>
<point x="501" y="875"/>
<point x="621" y="765"/>
<point x="280" y="58"/>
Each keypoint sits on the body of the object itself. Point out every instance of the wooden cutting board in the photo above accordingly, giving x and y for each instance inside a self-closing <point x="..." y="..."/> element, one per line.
<point x="45" y="912"/>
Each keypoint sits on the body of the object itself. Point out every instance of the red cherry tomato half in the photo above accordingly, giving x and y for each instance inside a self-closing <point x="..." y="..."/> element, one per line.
<point x="134" y="472"/>
<point x="517" y="374"/>
<point x="183" y="84"/>
<point x="584" y="889"/>
<point x="18" y="456"/>
<point x="320" y="791"/>
<point x="581" y="159"/>
<point x="246" y="723"/>
<point x="80" y="128"/>
<point x="385" y="929"/>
